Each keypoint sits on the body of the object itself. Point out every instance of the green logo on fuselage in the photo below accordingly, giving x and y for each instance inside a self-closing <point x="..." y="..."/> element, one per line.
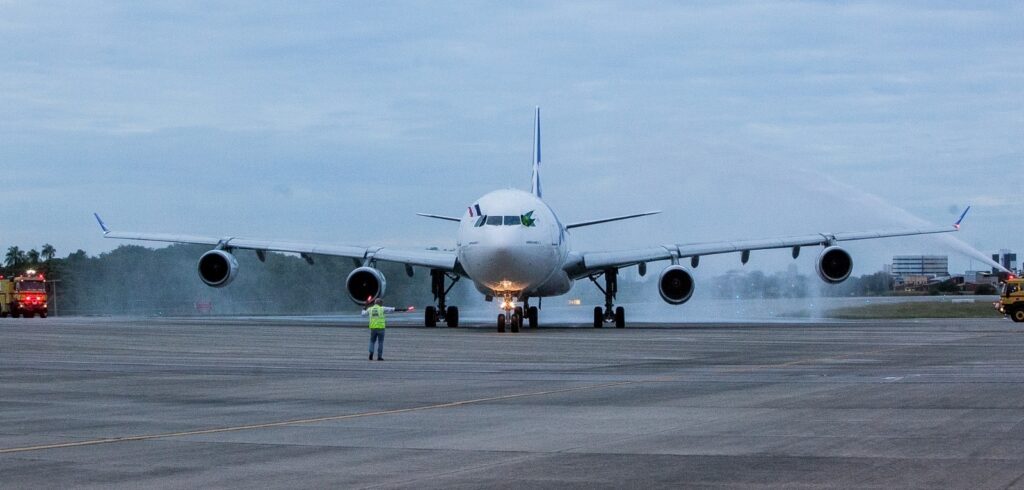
<point x="528" y="219"/>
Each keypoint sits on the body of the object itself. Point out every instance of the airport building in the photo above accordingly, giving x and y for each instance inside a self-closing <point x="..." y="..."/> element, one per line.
<point x="920" y="265"/>
<point x="921" y="273"/>
<point x="975" y="279"/>
<point x="917" y="272"/>
<point x="1005" y="258"/>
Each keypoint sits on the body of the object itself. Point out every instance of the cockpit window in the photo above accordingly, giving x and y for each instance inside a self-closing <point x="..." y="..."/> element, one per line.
<point x="502" y="221"/>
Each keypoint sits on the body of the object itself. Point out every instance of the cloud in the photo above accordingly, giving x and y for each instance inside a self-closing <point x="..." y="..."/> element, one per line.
<point x="241" y="118"/>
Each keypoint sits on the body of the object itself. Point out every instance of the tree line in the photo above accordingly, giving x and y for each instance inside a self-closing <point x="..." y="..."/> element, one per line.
<point x="791" y="284"/>
<point x="16" y="258"/>
<point x="132" y="279"/>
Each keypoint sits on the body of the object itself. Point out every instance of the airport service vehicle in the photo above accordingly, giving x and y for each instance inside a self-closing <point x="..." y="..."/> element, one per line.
<point x="1011" y="299"/>
<point x="23" y="295"/>
<point x="512" y="246"/>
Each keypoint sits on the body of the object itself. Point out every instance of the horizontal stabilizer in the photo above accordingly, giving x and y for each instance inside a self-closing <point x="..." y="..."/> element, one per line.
<point x="437" y="216"/>
<point x="606" y="220"/>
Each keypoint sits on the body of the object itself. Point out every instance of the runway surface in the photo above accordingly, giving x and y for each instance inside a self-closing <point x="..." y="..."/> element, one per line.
<point x="293" y="402"/>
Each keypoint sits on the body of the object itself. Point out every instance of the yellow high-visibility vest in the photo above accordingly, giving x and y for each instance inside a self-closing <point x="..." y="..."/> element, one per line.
<point x="376" y="313"/>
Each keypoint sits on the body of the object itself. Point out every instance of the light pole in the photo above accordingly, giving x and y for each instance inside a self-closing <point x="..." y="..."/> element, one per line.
<point x="54" y="290"/>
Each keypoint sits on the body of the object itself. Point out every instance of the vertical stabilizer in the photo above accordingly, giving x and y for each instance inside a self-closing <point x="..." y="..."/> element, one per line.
<point x="536" y="153"/>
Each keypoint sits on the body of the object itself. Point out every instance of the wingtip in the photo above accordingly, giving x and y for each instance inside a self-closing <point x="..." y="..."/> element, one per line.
<point x="961" y="218"/>
<point x="103" y="226"/>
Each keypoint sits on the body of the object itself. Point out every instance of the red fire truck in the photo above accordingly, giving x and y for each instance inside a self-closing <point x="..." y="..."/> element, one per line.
<point x="23" y="295"/>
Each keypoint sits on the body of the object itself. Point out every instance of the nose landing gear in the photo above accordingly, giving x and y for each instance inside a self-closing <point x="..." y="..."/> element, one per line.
<point x="610" y="313"/>
<point x="442" y="313"/>
<point x="513" y="315"/>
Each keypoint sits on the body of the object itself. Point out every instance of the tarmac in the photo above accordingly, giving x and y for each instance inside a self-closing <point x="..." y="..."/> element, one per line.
<point x="294" y="402"/>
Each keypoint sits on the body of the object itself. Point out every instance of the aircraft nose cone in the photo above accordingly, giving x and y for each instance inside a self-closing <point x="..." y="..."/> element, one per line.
<point x="504" y="242"/>
<point x="505" y="260"/>
<point x="505" y="265"/>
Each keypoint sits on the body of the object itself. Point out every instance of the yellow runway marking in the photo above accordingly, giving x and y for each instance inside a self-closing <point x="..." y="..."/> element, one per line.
<point x="285" y="423"/>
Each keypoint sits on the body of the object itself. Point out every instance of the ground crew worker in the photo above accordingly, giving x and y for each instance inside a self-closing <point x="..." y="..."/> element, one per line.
<point x="377" y="326"/>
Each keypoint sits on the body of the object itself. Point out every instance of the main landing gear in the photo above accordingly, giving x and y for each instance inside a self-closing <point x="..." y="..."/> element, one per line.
<point x="442" y="313"/>
<point x="610" y="313"/>
<point x="531" y="313"/>
<point x="515" y="315"/>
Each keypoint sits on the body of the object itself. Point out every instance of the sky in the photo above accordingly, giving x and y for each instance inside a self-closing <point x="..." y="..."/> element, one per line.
<point x="336" y="122"/>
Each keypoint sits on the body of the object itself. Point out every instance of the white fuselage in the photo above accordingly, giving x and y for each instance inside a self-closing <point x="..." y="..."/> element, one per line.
<point x="511" y="244"/>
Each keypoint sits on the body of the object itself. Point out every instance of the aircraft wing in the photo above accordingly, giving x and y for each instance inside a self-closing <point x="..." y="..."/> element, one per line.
<point x="434" y="259"/>
<point x="587" y="263"/>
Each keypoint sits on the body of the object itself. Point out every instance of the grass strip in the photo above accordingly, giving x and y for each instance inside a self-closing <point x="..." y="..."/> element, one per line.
<point x="916" y="309"/>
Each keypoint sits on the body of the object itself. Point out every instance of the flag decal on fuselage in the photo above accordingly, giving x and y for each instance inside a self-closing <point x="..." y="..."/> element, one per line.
<point x="474" y="209"/>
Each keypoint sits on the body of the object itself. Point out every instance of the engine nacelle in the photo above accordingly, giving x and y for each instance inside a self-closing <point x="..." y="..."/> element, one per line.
<point x="675" y="285"/>
<point x="364" y="284"/>
<point x="217" y="268"/>
<point x="834" y="265"/>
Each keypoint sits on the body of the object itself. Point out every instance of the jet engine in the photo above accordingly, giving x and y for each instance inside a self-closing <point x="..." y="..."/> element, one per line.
<point x="675" y="285"/>
<point x="834" y="265"/>
<point x="217" y="268"/>
<point x="365" y="283"/>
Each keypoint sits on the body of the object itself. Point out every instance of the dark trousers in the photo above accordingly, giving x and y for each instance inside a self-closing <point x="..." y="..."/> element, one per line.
<point x="377" y="335"/>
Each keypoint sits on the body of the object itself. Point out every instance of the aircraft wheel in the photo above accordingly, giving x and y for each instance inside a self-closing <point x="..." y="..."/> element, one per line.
<point x="532" y="315"/>
<point x="452" y="318"/>
<point x="430" y="316"/>
<point x="598" y="317"/>
<point x="501" y="323"/>
<point x="1017" y="315"/>
<point x="516" y="322"/>
<point x="620" y="317"/>
<point x="42" y="315"/>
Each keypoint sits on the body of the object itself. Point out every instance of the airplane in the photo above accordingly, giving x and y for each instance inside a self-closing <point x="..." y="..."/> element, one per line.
<point x="512" y="246"/>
